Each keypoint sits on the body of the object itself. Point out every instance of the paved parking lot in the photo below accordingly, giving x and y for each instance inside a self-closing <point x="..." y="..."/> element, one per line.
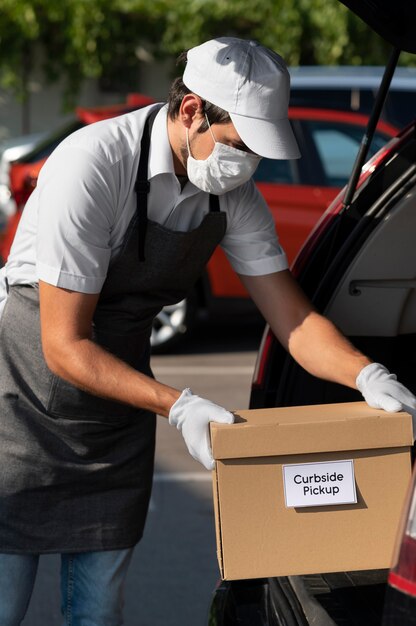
<point x="174" y="568"/>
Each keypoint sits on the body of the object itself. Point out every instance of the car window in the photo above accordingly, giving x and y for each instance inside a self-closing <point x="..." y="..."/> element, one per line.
<point x="274" y="171"/>
<point x="337" y="145"/>
<point x="321" y="98"/>
<point x="399" y="108"/>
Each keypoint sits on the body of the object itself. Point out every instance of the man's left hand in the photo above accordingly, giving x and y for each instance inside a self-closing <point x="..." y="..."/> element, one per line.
<point x="382" y="390"/>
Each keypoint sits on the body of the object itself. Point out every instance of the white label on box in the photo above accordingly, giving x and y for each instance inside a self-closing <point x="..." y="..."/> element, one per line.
<point x="319" y="484"/>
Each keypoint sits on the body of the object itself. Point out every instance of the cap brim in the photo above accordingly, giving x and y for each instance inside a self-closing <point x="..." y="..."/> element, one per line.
<point x="271" y="139"/>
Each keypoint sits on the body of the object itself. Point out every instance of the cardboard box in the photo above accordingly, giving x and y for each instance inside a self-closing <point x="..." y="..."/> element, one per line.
<point x="258" y="535"/>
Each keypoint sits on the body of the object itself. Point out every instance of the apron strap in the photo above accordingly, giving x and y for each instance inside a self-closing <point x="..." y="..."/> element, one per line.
<point x="214" y="203"/>
<point x="142" y="185"/>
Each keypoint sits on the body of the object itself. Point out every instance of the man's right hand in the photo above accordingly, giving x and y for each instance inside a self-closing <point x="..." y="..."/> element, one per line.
<point x="191" y="415"/>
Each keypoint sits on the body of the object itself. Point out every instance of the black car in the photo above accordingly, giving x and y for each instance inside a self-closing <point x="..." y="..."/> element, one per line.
<point x="359" y="269"/>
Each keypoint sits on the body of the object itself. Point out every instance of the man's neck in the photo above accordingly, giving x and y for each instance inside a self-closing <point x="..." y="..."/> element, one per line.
<point x="175" y="132"/>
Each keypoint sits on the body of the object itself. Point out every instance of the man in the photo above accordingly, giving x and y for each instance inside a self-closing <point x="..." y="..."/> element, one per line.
<point x="126" y="214"/>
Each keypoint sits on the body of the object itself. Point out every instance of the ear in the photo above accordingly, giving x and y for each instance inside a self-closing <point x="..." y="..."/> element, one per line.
<point x="191" y="110"/>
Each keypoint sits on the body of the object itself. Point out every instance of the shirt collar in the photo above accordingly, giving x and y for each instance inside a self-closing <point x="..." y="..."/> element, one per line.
<point x="160" y="153"/>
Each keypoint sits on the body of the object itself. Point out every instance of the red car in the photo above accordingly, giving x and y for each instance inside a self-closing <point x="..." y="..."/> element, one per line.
<point x="297" y="192"/>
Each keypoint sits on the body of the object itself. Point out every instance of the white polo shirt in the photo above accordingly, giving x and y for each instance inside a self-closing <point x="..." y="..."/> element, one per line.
<point x="75" y="221"/>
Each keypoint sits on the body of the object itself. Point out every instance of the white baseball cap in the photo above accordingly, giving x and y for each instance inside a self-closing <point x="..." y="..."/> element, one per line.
<point x="252" y="84"/>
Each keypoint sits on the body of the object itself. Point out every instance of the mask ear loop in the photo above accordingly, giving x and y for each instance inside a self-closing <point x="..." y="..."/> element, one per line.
<point x="187" y="135"/>
<point x="187" y="141"/>
<point x="210" y="129"/>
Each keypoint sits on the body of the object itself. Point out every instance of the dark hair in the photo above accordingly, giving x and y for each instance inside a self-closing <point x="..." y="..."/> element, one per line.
<point x="178" y="91"/>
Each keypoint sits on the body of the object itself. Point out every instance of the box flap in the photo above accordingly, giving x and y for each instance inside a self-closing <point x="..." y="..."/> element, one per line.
<point x="217" y="511"/>
<point x="309" y="429"/>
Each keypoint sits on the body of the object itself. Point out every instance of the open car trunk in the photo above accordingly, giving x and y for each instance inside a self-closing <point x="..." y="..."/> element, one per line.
<point x="361" y="274"/>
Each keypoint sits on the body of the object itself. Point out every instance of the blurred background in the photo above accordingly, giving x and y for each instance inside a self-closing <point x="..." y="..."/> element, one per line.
<point x="56" y="55"/>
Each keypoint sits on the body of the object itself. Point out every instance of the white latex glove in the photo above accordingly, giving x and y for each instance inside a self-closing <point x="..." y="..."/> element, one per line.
<point x="381" y="390"/>
<point x="191" y="415"/>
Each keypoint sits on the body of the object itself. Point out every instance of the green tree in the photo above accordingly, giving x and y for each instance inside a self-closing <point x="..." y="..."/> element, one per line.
<point x="77" y="39"/>
<point x="305" y="32"/>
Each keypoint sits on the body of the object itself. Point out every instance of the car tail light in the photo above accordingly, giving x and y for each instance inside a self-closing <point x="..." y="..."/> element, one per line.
<point x="262" y="358"/>
<point x="403" y="573"/>
<point x="22" y="194"/>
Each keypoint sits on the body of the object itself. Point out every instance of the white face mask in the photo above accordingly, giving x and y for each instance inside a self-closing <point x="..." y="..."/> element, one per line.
<point x="225" y="169"/>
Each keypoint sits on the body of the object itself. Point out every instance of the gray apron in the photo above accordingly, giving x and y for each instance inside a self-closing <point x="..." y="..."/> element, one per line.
<point x="76" y="470"/>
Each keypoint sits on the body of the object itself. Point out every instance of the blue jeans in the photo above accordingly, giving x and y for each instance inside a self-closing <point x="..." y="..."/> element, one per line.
<point x="91" y="587"/>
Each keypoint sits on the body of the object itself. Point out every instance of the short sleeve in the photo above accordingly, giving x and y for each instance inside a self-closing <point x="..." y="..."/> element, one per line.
<point x="76" y="208"/>
<point x="251" y="242"/>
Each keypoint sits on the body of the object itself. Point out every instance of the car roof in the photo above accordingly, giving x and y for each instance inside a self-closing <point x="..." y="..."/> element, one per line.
<point x="134" y="101"/>
<point x="339" y="115"/>
<point x="350" y="77"/>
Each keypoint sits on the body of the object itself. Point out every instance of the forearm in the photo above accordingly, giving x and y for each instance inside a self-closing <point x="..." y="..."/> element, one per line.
<point x="66" y="332"/>
<point x="88" y="366"/>
<point x="318" y="346"/>
<point x="312" y="340"/>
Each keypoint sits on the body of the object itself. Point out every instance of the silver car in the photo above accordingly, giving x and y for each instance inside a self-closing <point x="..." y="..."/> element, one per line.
<point x="10" y="150"/>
